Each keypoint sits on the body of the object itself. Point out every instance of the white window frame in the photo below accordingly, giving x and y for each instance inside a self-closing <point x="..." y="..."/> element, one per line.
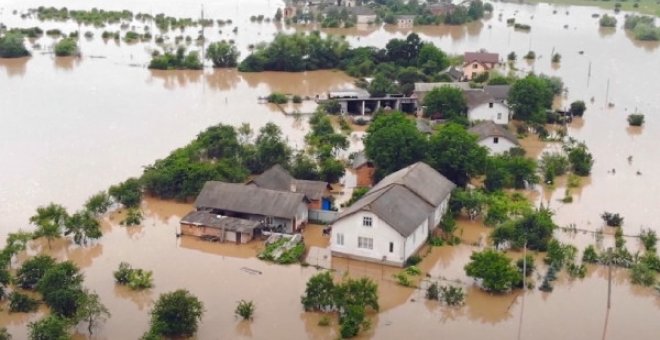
<point x="339" y="240"/>
<point x="367" y="221"/>
<point x="365" y="243"/>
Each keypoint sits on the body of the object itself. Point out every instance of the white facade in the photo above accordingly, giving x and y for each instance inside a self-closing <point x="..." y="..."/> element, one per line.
<point x="497" y="112"/>
<point x="365" y="18"/>
<point x="497" y="145"/>
<point x="353" y="237"/>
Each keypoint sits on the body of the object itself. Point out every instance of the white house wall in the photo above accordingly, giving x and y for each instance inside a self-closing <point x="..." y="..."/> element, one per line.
<point x="501" y="146"/>
<point x="351" y="227"/>
<point x="485" y="112"/>
<point x="416" y="239"/>
<point x="301" y="214"/>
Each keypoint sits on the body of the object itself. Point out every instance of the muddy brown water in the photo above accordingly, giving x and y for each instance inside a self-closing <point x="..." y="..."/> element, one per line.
<point x="70" y="127"/>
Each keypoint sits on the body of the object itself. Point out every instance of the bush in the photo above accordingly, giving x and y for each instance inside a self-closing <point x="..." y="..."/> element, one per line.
<point x="324" y="321"/>
<point x="22" y="303"/>
<point x="607" y="21"/>
<point x="176" y="61"/>
<point x="556" y="58"/>
<point x="530" y="55"/>
<point x="277" y="98"/>
<point x="245" y="309"/>
<point x="133" y="217"/>
<point x="636" y="119"/>
<point x="296" y="99"/>
<point x="413" y="270"/>
<point x="12" y="46"/>
<point x="413" y="260"/>
<point x="135" y="279"/>
<point x="66" y="47"/>
<point x="452" y="296"/>
<point x="403" y="279"/>
<point x="641" y="274"/>
<point x="350" y="321"/>
<point x="33" y="270"/>
<point x="649" y="238"/>
<point x="612" y="220"/>
<point x="494" y="270"/>
<point x="128" y="193"/>
<point x="580" y="158"/>
<point x="529" y="266"/>
<point x="50" y="327"/>
<point x="577" y="108"/>
<point x="433" y="292"/>
<point x="176" y="314"/>
<point x="576" y="271"/>
<point x="589" y="255"/>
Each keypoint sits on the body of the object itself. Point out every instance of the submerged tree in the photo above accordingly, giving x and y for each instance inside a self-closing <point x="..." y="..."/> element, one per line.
<point x="176" y="314"/>
<point x="12" y="46"/>
<point x="49" y="221"/>
<point x="83" y="226"/>
<point x="91" y="310"/>
<point x="455" y="153"/>
<point x="494" y="270"/>
<point x="222" y="54"/>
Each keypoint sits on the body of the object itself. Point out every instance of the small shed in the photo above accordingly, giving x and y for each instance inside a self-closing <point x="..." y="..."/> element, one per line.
<point x="218" y="228"/>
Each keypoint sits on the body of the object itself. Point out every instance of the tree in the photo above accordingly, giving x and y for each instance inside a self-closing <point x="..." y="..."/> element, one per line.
<point x="16" y="242"/>
<point x="271" y="149"/>
<point x="222" y="54"/>
<point x="49" y="221"/>
<point x="529" y="98"/>
<point x="91" y="310"/>
<point x="357" y="292"/>
<point x="494" y="269"/>
<point x="176" y="314"/>
<point x="533" y="228"/>
<point x="128" y="193"/>
<point x="4" y="334"/>
<point x="381" y="85"/>
<point x="12" y="46"/>
<point x="66" y="47"/>
<point x="22" y="303"/>
<point x="455" y="153"/>
<point x="60" y="287"/>
<point x="332" y="170"/>
<point x="319" y="294"/>
<point x="447" y="102"/>
<point x="83" y="226"/>
<point x="431" y="59"/>
<point x="580" y="158"/>
<point x="278" y="15"/>
<point x="303" y="167"/>
<point x="5" y="280"/>
<point x="51" y="327"/>
<point x="98" y="204"/>
<point x="33" y="270"/>
<point x="393" y="142"/>
<point x="607" y="21"/>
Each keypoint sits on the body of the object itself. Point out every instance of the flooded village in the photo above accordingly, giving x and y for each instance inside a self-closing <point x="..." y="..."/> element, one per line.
<point x="219" y="205"/>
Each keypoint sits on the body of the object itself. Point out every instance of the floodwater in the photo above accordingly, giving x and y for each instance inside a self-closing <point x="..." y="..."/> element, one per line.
<point x="70" y="127"/>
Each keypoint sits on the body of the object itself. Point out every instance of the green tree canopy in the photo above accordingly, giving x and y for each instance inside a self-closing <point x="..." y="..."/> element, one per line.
<point x="534" y="227"/>
<point x="494" y="270"/>
<point x="33" y="269"/>
<point x="49" y="221"/>
<point x="83" y="226"/>
<point x="50" y="327"/>
<point x="432" y="59"/>
<point x="222" y="54"/>
<point x="447" y="102"/>
<point x="128" y="193"/>
<point x="176" y="314"/>
<point x="454" y="152"/>
<point x="529" y="98"/>
<point x="12" y="46"/>
<point x="393" y="142"/>
<point x="66" y="47"/>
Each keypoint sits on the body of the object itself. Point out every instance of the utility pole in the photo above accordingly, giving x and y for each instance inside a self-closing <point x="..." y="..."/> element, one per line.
<point x="607" y="93"/>
<point x="203" y="39"/>
<point x="609" y="277"/>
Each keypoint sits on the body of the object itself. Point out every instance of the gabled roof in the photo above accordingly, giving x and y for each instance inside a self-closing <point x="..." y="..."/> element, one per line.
<point x="482" y="57"/>
<point x="397" y="206"/>
<point x="207" y="219"/>
<point x="278" y="178"/>
<point x="477" y="97"/>
<point x="499" y="92"/>
<point x="404" y="199"/>
<point x="248" y="199"/>
<point x="488" y="129"/>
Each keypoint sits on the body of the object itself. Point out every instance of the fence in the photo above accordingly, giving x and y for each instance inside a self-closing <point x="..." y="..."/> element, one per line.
<point x="322" y="216"/>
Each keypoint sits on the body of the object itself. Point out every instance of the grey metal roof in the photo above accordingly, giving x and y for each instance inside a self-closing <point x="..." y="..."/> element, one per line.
<point x="278" y="178"/>
<point x="396" y="205"/>
<point x="249" y="199"/>
<point x="488" y="129"/>
<point x="422" y="180"/>
<point x="499" y="92"/>
<point x="404" y="199"/>
<point x="477" y="97"/>
<point x="208" y="219"/>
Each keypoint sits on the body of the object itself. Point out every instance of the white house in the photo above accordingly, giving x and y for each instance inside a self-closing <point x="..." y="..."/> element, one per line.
<point x="496" y="138"/>
<point x="393" y="220"/>
<point x="483" y="106"/>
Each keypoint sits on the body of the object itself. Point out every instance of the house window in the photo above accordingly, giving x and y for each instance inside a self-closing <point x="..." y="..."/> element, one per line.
<point x="340" y="239"/>
<point x="366" y="221"/>
<point x="475" y="65"/>
<point x="499" y="115"/>
<point x="365" y="242"/>
<point x="391" y="247"/>
<point x="496" y="140"/>
<point x="490" y="105"/>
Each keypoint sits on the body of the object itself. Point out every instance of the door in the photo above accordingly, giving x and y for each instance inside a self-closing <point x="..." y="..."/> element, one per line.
<point x="238" y="238"/>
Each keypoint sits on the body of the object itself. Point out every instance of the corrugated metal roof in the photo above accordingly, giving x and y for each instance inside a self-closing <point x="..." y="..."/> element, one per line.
<point x="249" y="199"/>
<point x="208" y="219"/>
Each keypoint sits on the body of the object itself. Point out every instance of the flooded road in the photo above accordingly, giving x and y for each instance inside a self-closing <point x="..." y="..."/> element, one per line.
<point x="71" y="127"/>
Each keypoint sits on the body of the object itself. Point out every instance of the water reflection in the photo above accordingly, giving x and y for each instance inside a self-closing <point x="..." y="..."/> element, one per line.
<point x="175" y="79"/>
<point x="143" y="299"/>
<point x="223" y="79"/>
<point x="67" y="63"/>
<point x="14" y="67"/>
<point x="605" y="32"/>
<point x="649" y="46"/>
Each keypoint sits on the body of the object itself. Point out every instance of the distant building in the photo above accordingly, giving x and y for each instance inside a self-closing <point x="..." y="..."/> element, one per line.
<point x="364" y="170"/>
<point x="496" y="138"/>
<point x="393" y="220"/>
<point x="363" y="15"/>
<point x="278" y="178"/>
<point x="405" y="20"/>
<point x="476" y="63"/>
<point x="483" y="106"/>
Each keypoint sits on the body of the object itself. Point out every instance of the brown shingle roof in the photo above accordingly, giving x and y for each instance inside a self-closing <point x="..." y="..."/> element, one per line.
<point x="482" y="57"/>
<point x="488" y="129"/>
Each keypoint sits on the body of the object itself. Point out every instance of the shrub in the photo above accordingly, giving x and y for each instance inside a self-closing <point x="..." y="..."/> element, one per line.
<point x="649" y="238"/>
<point x="134" y="278"/>
<point x="452" y="296"/>
<point x="589" y="255"/>
<point x="641" y="274"/>
<point x="433" y="291"/>
<point x="277" y="98"/>
<point x="612" y="220"/>
<point x="413" y="271"/>
<point x="66" y="47"/>
<point x="133" y="217"/>
<point x="607" y="21"/>
<point x="494" y="270"/>
<point x="324" y="321"/>
<point x="245" y="309"/>
<point x="577" y="108"/>
<point x="636" y="119"/>
<point x="296" y="99"/>
<point x="556" y="58"/>
<point x="576" y="271"/>
<point x="511" y="56"/>
<point x="413" y="260"/>
<point x="530" y="55"/>
<point x="176" y="61"/>
<point x="403" y="279"/>
<point x="559" y="254"/>
<point x="580" y="158"/>
<point x="22" y="303"/>
<point x="529" y="266"/>
<point x="350" y="320"/>
<point x="12" y="46"/>
<point x="50" y="327"/>
<point x="176" y="314"/>
<point x="33" y="270"/>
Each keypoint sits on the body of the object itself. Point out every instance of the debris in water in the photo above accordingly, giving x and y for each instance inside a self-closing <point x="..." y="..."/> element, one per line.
<point x="251" y="271"/>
